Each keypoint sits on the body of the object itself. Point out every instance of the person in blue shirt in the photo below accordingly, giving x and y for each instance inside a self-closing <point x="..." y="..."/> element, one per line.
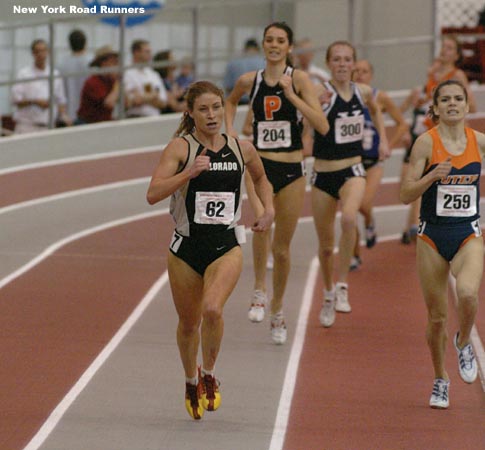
<point x="250" y="61"/>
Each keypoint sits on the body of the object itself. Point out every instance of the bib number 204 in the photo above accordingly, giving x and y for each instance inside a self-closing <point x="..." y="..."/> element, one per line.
<point x="273" y="135"/>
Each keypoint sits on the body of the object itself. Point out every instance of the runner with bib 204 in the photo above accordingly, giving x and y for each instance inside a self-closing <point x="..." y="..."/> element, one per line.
<point x="279" y="96"/>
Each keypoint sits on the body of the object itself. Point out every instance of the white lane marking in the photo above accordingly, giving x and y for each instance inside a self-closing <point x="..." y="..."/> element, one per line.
<point x="57" y="245"/>
<point x="282" y="416"/>
<point x="474" y="337"/>
<point x="86" y="377"/>
<point x="75" y="159"/>
<point x="74" y="193"/>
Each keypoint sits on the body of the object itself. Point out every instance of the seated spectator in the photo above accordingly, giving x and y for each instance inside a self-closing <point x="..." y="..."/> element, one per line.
<point x="101" y="91"/>
<point x="305" y="53"/>
<point x="186" y="74"/>
<point x="176" y="102"/>
<point x="31" y="99"/>
<point x="250" y="61"/>
<point x="145" y="91"/>
<point x="77" y="61"/>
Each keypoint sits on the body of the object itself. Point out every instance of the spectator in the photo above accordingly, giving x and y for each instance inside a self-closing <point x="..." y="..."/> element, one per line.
<point x="144" y="87"/>
<point x="77" y="61"/>
<point x="305" y="53"/>
<point x="251" y="61"/>
<point x="101" y="91"/>
<point x="31" y="99"/>
<point x="176" y="102"/>
<point x="186" y="74"/>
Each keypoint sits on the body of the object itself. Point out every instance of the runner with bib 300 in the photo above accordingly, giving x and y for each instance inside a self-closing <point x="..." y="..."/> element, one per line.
<point x="339" y="173"/>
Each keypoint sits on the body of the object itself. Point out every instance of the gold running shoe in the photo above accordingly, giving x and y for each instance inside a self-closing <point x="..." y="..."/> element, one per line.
<point x="193" y="403"/>
<point x="211" y="397"/>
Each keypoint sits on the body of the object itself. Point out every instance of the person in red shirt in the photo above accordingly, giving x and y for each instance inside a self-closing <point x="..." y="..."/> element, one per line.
<point x="100" y="92"/>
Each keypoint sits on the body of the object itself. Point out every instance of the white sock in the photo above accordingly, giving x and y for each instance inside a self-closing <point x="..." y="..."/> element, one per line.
<point x="341" y="285"/>
<point x="329" y="295"/>
<point x="205" y="372"/>
<point x="191" y="380"/>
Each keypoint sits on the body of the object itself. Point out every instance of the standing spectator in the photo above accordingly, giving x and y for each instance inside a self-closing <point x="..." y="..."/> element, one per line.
<point x="100" y="92"/>
<point x="305" y="53"/>
<point x="176" y="102"/>
<point x="144" y="87"/>
<point x="77" y="61"/>
<point x="252" y="60"/>
<point x="31" y="99"/>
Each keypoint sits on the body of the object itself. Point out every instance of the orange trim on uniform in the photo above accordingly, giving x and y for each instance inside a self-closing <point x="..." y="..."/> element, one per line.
<point x="429" y="241"/>
<point x="469" y="238"/>
<point x="439" y="153"/>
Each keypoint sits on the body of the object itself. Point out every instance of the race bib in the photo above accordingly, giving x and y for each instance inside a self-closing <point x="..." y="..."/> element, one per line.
<point x="349" y="129"/>
<point x="456" y="201"/>
<point x="214" y="208"/>
<point x="274" y="134"/>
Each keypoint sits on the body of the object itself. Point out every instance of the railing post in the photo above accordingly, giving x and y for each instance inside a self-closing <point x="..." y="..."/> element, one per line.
<point x="274" y="10"/>
<point x="195" y="37"/>
<point x="351" y="19"/>
<point x="121" y="68"/>
<point x="435" y="27"/>
<point x="52" y="99"/>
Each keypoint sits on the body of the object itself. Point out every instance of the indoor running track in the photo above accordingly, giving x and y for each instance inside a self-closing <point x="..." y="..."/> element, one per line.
<point x="87" y="338"/>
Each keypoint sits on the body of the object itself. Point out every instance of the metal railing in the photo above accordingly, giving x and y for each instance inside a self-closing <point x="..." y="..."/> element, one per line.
<point x="122" y="66"/>
<point x="194" y="12"/>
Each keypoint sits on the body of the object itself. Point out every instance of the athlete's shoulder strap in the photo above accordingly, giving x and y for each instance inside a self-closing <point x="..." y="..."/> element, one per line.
<point x="256" y="84"/>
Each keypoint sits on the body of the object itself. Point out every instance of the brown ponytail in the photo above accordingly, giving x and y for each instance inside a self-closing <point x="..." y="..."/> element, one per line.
<point x="186" y="125"/>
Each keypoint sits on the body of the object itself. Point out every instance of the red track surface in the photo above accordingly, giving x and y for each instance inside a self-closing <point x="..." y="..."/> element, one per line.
<point x="35" y="183"/>
<point x="363" y="384"/>
<point x="58" y="317"/>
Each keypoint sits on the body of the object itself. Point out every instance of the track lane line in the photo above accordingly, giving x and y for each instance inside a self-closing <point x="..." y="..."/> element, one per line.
<point x="76" y="159"/>
<point x="284" y="407"/>
<point x="68" y="239"/>
<point x="56" y="415"/>
<point x="474" y="337"/>
<point x="74" y="193"/>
